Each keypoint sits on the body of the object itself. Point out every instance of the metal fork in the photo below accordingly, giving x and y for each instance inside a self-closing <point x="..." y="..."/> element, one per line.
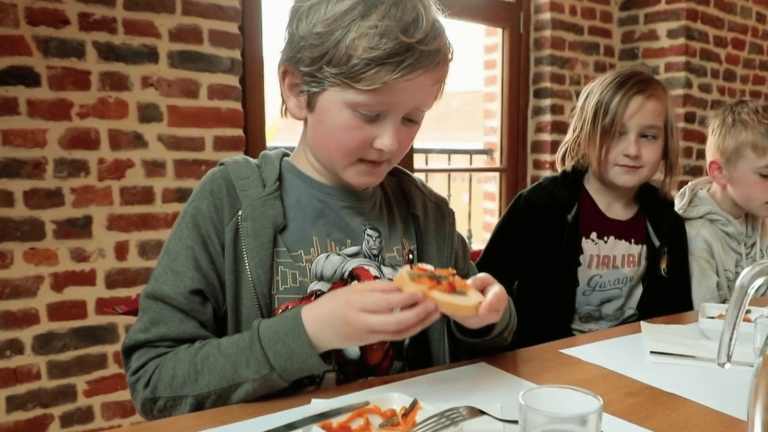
<point x="453" y="417"/>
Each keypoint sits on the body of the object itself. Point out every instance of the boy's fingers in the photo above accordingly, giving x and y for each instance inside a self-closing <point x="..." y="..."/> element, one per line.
<point x="482" y="281"/>
<point x="389" y="301"/>
<point x="401" y="321"/>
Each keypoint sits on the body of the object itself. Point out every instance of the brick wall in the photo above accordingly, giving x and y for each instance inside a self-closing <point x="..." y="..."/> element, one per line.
<point x="706" y="51"/>
<point x="110" y="112"/>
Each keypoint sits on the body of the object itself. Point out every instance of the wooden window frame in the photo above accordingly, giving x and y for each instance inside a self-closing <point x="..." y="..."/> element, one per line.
<point x="512" y="17"/>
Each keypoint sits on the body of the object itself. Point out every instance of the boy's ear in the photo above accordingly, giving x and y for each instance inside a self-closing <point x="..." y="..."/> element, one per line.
<point x="291" y="83"/>
<point x="716" y="171"/>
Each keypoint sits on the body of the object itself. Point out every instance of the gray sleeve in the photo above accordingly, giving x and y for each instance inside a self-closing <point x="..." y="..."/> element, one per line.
<point x="178" y="357"/>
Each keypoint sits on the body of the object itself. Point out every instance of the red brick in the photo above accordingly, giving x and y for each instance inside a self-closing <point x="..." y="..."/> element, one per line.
<point x="67" y="310"/>
<point x="713" y="21"/>
<point x="66" y="168"/>
<point x="549" y="6"/>
<point x="78" y="416"/>
<point x="81" y="255"/>
<point x="41" y="257"/>
<point x="191" y="34"/>
<point x="233" y="143"/>
<point x="88" y="22"/>
<point x="80" y="138"/>
<point x="557" y="43"/>
<point x="225" y="39"/>
<point x="173" y="87"/>
<point x="114" y="81"/>
<point x="7" y="199"/>
<point x="14" y="46"/>
<point x="7" y="378"/>
<point x="27" y="373"/>
<point x="105" y="108"/>
<point x="670" y="51"/>
<point x="9" y="15"/>
<point x="114" y="169"/>
<point x="544" y="147"/>
<point x="6" y="261"/>
<point x="20" y="288"/>
<point x="693" y="135"/>
<point x="606" y="17"/>
<point x="46" y="17"/>
<point x="121" y="250"/>
<point x="176" y="195"/>
<point x="89" y="195"/>
<point x="43" y="198"/>
<point x="116" y="357"/>
<point x="127" y="277"/>
<point x="732" y="59"/>
<point x="758" y="80"/>
<point x="73" y="228"/>
<point x="600" y="32"/>
<point x="24" y="168"/>
<point x="68" y="79"/>
<point x="105" y="385"/>
<point x="182" y="143"/>
<point x="81" y="278"/>
<point x="56" y="109"/>
<point x="24" y="138"/>
<point x="126" y="140"/>
<point x="153" y="168"/>
<point x="105" y="305"/>
<point x="738" y="43"/>
<point x="204" y="117"/>
<point x="136" y="222"/>
<point x="9" y="106"/>
<point x="210" y="11"/>
<point x="137" y="195"/>
<point x="192" y="168"/>
<point x="19" y="319"/>
<point x="117" y="410"/>
<point x="38" y="423"/>
<point x="140" y="27"/>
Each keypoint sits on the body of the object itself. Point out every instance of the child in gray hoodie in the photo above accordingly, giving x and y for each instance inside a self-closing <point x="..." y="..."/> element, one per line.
<point x="725" y="212"/>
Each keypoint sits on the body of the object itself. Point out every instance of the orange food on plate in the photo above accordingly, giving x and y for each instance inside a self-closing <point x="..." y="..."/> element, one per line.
<point x="390" y="419"/>
<point x="746" y="318"/>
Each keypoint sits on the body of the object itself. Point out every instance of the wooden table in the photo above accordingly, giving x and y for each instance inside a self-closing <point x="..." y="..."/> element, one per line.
<point x="631" y="400"/>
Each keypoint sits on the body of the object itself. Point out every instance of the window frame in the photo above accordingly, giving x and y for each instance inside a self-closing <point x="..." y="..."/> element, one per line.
<point x="512" y="17"/>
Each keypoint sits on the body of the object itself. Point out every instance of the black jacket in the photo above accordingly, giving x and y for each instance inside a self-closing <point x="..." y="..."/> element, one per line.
<point x="534" y="253"/>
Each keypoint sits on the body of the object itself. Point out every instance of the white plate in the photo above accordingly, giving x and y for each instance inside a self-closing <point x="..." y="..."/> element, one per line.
<point x="385" y="401"/>
<point x="712" y="326"/>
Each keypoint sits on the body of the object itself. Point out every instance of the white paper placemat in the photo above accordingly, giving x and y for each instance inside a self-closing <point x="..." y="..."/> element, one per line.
<point x="478" y="384"/>
<point x="725" y="390"/>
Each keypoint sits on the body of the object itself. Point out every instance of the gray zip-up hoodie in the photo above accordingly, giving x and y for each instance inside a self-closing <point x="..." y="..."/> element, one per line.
<point x="719" y="245"/>
<point x="205" y="335"/>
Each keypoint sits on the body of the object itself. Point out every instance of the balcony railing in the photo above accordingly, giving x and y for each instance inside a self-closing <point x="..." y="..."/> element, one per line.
<point x="473" y="194"/>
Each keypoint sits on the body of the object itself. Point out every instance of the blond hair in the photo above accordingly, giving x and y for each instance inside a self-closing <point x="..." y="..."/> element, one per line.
<point x="363" y="44"/>
<point x="597" y="116"/>
<point x="737" y="126"/>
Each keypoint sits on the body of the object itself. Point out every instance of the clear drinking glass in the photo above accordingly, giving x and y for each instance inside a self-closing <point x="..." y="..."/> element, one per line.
<point x="560" y="408"/>
<point x="761" y="331"/>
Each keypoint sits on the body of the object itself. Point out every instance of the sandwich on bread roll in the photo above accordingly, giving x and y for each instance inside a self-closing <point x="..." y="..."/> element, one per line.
<point x="449" y="291"/>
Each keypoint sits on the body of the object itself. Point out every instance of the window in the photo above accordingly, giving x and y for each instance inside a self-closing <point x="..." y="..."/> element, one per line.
<point x="472" y="145"/>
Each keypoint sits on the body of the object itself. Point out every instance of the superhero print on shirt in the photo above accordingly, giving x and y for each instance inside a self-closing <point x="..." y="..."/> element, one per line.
<point x="338" y="269"/>
<point x="609" y="282"/>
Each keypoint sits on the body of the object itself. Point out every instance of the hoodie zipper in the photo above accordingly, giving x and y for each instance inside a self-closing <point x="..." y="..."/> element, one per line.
<point x="454" y="251"/>
<point x="247" y="264"/>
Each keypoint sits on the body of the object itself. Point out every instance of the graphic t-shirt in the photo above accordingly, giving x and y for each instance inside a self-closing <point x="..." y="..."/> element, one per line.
<point x="612" y="264"/>
<point x="332" y="238"/>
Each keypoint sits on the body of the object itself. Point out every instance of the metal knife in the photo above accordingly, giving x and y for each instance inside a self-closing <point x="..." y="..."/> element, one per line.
<point x="704" y="359"/>
<point x="316" y="418"/>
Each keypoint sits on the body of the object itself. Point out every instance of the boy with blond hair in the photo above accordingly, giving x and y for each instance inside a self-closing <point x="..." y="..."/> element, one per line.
<point x="249" y="295"/>
<point x="725" y="212"/>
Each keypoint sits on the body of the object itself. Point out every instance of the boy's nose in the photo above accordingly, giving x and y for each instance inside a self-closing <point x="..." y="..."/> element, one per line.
<point x="387" y="140"/>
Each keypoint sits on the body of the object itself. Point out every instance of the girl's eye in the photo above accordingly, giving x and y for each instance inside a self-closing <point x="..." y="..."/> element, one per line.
<point x="368" y="118"/>
<point x="650" y="137"/>
<point x="763" y="175"/>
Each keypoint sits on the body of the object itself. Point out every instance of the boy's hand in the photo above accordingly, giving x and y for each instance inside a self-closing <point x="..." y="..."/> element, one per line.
<point x="492" y="308"/>
<point x="366" y="313"/>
